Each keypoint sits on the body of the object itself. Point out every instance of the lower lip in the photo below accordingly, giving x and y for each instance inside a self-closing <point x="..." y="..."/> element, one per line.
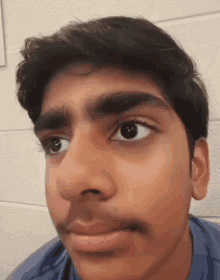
<point x="100" y="242"/>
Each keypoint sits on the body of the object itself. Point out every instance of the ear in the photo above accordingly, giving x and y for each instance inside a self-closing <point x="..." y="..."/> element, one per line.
<point x="200" y="170"/>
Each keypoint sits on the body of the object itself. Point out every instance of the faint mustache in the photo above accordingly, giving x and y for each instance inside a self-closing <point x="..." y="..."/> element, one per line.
<point x="66" y="227"/>
<point x="103" y="218"/>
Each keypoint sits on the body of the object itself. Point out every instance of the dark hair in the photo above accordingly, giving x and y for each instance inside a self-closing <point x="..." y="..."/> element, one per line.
<point x="134" y="44"/>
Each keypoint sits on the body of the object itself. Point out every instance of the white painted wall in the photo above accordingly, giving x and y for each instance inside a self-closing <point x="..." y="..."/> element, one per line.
<point x="25" y="224"/>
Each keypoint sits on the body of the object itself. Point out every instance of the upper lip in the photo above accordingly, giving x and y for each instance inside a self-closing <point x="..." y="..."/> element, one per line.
<point x="99" y="227"/>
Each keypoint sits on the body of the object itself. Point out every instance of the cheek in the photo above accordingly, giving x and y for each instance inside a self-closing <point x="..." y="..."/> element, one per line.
<point x="158" y="182"/>
<point x="158" y="193"/>
<point x="56" y="205"/>
<point x="50" y="180"/>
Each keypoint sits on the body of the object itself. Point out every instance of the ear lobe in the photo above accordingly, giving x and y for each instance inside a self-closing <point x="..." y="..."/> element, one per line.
<point x="200" y="170"/>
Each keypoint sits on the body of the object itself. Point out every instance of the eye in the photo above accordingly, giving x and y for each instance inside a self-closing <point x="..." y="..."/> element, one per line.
<point x="132" y="131"/>
<point x="55" y="145"/>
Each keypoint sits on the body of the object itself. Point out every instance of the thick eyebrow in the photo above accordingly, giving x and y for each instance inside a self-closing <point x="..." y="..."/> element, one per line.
<point x="109" y="104"/>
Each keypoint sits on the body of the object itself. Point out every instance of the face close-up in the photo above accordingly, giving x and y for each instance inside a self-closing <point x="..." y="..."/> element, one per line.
<point x="118" y="182"/>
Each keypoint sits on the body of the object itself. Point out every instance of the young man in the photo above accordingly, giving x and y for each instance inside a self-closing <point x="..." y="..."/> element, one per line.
<point x="122" y="117"/>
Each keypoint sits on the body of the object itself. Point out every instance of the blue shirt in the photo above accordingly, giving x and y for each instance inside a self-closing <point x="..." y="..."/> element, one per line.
<point x="52" y="261"/>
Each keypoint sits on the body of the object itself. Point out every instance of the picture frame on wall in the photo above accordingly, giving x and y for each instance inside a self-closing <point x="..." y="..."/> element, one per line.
<point x="2" y="50"/>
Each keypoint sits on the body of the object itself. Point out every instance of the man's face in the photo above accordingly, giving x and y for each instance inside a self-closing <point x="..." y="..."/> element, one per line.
<point x="103" y="168"/>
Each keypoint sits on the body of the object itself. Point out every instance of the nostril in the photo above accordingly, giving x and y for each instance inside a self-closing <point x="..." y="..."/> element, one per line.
<point x="90" y="191"/>
<point x="134" y="227"/>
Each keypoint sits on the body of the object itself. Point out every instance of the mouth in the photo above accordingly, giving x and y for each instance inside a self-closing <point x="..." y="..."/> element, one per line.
<point x="102" y="242"/>
<point x="97" y="228"/>
<point x="130" y="227"/>
<point x="108" y="241"/>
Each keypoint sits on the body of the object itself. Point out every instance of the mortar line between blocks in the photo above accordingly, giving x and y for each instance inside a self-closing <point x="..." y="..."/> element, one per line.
<point x="189" y="18"/>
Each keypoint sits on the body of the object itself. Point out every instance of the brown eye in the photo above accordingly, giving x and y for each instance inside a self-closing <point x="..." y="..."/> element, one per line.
<point x="132" y="131"/>
<point x="55" y="146"/>
<point x="129" y="130"/>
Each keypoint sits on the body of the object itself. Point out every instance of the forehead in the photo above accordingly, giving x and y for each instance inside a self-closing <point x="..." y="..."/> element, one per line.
<point x="84" y="82"/>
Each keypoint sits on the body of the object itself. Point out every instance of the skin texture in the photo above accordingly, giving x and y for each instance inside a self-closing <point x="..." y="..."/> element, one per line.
<point x="146" y="180"/>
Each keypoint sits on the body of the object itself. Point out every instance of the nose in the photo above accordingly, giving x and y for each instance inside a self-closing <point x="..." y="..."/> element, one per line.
<point x="85" y="172"/>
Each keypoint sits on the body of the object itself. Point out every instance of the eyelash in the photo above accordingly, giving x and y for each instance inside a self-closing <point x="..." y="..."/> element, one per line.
<point x="119" y="123"/>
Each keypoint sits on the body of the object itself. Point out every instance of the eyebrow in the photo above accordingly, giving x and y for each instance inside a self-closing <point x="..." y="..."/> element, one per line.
<point x="109" y="104"/>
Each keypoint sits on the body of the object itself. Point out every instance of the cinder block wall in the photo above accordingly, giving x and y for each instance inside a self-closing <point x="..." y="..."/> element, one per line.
<point x="25" y="224"/>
